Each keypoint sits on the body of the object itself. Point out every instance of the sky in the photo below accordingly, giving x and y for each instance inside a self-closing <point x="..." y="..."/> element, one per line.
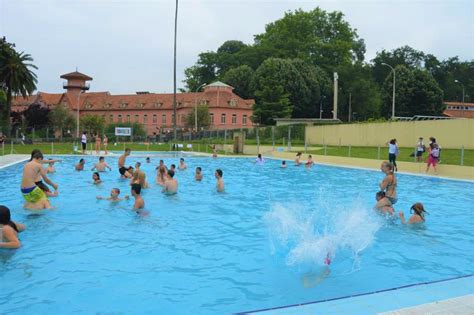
<point x="127" y="45"/>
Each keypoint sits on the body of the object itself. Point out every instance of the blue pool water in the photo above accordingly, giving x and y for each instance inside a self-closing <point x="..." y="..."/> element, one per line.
<point x="260" y="244"/>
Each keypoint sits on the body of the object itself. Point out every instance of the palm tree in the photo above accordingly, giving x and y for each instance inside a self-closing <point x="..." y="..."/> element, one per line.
<point x="16" y="77"/>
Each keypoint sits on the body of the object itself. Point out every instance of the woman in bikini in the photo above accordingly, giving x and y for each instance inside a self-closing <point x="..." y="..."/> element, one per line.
<point x="105" y="143"/>
<point x="389" y="184"/>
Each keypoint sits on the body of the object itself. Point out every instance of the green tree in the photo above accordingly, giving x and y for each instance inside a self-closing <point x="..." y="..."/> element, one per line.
<point x="92" y="123"/>
<point x="36" y="116"/>
<point x="17" y="77"/>
<point x="241" y="79"/>
<point x="416" y="93"/>
<point x="60" y="118"/>
<point x="272" y="102"/>
<point x="203" y="120"/>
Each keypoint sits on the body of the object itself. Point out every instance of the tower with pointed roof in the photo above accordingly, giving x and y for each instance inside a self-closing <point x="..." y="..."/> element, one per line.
<point x="76" y="82"/>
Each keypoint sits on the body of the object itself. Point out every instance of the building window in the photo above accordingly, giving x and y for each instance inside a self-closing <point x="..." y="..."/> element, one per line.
<point x="223" y="119"/>
<point x="119" y="118"/>
<point x="111" y="118"/>
<point x="145" y="119"/>
<point x="163" y="119"/>
<point x="155" y="119"/>
<point x="234" y="119"/>
<point x="137" y="117"/>
<point x="211" y="118"/>
<point x="244" y="119"/>
<point x="128" y="118"/>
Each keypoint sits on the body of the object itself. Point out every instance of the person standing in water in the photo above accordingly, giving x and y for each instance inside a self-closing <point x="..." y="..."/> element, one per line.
<point x="121" y="164"/>
<point x="298" y="159"/>
<point x="35" y="198"/>
<point x="80" y="166"/>
<point x="259" y="160"/>
<point x="220" y="182"/>
<point x="171" y="185"/>
<point x="393" y="152"/>
<point x="139" y="202"/>
<point x="418" y="214"/>
<point x="198" y="175"/>
<point x="389" y="183"/>
<point x="9" y="230"/>
<point x="182" y="166"/>
<point x="309" y="163"/>
<point x="101" y="165"/>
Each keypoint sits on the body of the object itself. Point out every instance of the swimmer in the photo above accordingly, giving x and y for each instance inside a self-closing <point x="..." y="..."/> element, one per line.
<point x="182" y="166"/>
<point x="283" y="164"/>
<point x="389" y="183"/>
<point x="309" y="163"/>
<point x="35" y="198"/>
<point x="173" y="167"/>
<point x="418" y="214"/>
<point x="96" y="178"/>
<point x="298" y="159"/>
<point x="220" y="182"/>
<point x="80" y="165"/>
<point x="114" y="196"/>
<point x="42" y="176"/>
<point x="198" y="175"/>
<point x="161" y="176"/>
<point x="50" y="169"/>
<point x="148" y="160"/>
<point x="383" y="204"/>
<point x="101" y="165"/>
<point x="121" y="163"/>
<point x="9" y="230"/>
<point x="259" y="160"/>
<point x="171" y="184"/>
<point x="162" y="163"/>
<point x="139" y="177"/>
<point x="139" y="202"/>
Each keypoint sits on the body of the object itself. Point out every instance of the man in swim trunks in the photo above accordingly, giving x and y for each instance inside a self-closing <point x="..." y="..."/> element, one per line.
<point x="220" y="182"/>
<point x="121" y="164"/>
<point x="171" y="184"/>
<point x="35" y="197"/>
<point x="101" y="165"/>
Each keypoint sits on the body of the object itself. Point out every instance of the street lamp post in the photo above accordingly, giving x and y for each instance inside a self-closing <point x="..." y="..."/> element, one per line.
<point x="195" y="108"/>
<point x="459" y="82"/>
<point x="393" y="92"/>
<point x="174" y="70"/>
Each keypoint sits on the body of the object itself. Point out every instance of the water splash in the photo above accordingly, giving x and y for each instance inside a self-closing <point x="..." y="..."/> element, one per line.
<point x="315" y="237"/>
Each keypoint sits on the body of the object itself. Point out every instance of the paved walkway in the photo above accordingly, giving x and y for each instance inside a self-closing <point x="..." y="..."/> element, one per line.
<point x="11" y="159"/>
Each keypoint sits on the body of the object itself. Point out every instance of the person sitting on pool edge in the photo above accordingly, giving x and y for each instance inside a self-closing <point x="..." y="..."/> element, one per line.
<point x="114" y="196"/>
<point x="220" y="182"/>
<point x="182" y="166"/>
<point x="383" y="204"/>
<point x="101" y="165"/>
<point x="35" y="198"/>
<point x="9" y="230"/>
<point x="96" y="178"/>
<point x="80" y="165"/>
<point x="171" y="185"/>
<point x="198" y="175"/>
<point x="418" y="214"/>
<point x="135" y="192"/>
<point x="121" y="163"/>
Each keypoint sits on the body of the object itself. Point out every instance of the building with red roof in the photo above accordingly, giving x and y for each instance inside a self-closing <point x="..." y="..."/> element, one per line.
<point x="154" y="111"/>
<point x="459" y="110"/>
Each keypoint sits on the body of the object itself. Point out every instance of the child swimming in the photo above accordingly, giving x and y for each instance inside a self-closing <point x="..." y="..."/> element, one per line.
<point x="383" y="204"/>
<point x="50" y="169"/>
<point x="309" y="162"/>
<point x="96" y="178"/>
<point x="139" y="202"/>
<point x="220" y="182"/>
<point x="9" y="230"/>
<point x="283" y="164"/>
<point x="198" y="175"/>
<point x="114" y="196"/>
<point x="418" y="214"/>
<point x="182" y="166"/>
<point x="80" y="165"/>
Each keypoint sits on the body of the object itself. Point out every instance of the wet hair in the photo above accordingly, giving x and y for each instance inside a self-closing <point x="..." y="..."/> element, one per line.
<point x="172" y="166"/>
<point x="117" y="190"/>
<point x="101" y="158"/>
<point x="171" y="173"/>
<point x="219" y="172"/>
<point x="81" y="160"/>
<point x="380" y="194"/>
<point x="419" y="210"/>
<point x="36" y="154"/>
<point x="283" y="162"/>
<point x="181" y="159"/>
<point x="138" y="163"/>
<point x="137" y="188"/>
<point x="97" y="174"/>
<point x="161" y="161"/>
<point x="198" y="168"/>
<point x="5" y="218"/>
<point x="148" y="158"/>
<point x="128" y="150"/>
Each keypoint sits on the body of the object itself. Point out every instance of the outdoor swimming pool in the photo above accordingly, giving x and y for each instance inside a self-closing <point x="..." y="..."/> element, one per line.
<point x="260" y="244"/>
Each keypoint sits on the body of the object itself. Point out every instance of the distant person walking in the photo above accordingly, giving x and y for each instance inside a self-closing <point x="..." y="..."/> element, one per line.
<point x="433" y="157"/>
<point x="84" y="142"/>
<point x="420" y="149"/>
<point x="393" y="152"/>
<point x="433" y="141"/>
